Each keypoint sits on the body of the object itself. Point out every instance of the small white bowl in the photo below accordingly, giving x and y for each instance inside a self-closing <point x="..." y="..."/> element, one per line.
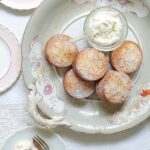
<point x="88" y="31"/>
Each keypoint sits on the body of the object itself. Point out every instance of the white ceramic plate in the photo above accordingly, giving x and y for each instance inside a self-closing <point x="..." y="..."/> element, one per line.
<point x="21" y="4"/>
<point x="45" y="81"/>
<point x="10" y="59"/>
<point x="52" y="139"/>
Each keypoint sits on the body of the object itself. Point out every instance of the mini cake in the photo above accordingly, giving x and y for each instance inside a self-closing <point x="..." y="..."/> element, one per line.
<point x="100" y="88"/>
<point x="90" y="64"/>
<point x="127" y="58"/>
<point x="114" y="87"/>
<point x="76" y="87"/>
<point x="59" y="51"/>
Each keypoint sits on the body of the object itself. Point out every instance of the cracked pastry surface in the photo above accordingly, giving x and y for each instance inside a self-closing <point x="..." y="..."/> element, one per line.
<point x="127" y="58"/>
<point x="59" y="51"/>
<point x="77" y="87"/>
<point x="114" y="87"/>
<point x="90" y="64"/>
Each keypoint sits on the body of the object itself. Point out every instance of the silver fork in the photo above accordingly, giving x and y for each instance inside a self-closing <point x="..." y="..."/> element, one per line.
<point x="40" y="143"/>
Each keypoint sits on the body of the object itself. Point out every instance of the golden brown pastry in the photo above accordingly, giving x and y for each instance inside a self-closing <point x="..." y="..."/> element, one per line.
<point x="114" y="87"/>
<point x="90" y="64"/>
<point x="60" y="51"/>
<point x="76" y="87"/>
<point x="127" y="58"/>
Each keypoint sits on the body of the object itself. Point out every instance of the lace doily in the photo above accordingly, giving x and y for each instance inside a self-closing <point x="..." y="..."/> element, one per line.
<point x="13" y="117"/>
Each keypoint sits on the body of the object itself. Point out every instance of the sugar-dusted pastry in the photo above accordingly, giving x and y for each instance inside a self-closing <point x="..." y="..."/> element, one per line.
<point x="76" y="87"/>
<point x="114" y="87"/>
<point x="127" y="58"/>
<point x="100" y="88"/>
<point x="90" y="64"/>
<point x="60" y="51"/>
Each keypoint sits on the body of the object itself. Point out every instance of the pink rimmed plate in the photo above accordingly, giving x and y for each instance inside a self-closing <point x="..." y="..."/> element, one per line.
<point x="22" y="4"/>
<point x="10" y="59"/>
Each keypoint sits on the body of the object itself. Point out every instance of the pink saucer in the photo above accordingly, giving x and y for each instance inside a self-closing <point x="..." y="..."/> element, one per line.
<point x="22" y="4"/>
<point x="10" y="59"/>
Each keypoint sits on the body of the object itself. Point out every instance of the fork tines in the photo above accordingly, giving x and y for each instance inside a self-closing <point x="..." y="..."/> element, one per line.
<point x="40" y="143"/>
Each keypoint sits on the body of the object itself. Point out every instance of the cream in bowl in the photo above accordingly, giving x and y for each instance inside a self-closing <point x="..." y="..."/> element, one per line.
<point x="105" y="28"/>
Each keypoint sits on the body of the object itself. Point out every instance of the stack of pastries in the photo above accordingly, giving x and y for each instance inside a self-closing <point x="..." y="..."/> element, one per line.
<point x="90" y="68"/>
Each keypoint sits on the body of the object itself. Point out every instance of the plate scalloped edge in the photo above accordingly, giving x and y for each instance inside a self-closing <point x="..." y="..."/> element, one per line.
<point x="33" y="109"/>
<point x="136" y="7"/>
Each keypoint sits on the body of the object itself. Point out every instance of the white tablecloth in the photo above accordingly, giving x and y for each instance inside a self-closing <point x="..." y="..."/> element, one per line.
<point x="14" y="115"/>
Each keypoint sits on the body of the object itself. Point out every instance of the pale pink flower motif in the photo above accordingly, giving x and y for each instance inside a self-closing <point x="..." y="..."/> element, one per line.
<point x="38" y="64"/>
<point x="47" y="90"/>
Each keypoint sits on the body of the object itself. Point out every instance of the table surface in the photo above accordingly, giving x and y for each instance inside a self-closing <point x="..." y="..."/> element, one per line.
<point x="15" y="100"/>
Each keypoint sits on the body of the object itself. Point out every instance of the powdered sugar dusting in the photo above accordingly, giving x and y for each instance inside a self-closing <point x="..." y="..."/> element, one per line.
<point x="77" y="87"/>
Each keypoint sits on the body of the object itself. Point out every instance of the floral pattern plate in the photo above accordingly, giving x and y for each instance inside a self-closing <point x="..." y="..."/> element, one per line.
<point x="44" y="81"/>
<point x="21" y="4"/>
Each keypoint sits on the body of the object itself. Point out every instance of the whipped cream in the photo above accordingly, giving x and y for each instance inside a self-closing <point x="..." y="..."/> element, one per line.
<point x="105" y="27"/>
<point x="25" y="145"/>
